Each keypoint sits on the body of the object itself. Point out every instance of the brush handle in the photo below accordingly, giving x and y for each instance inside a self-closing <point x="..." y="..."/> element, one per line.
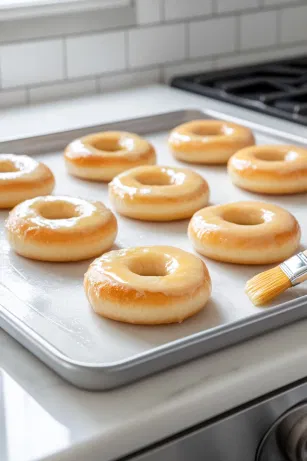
<point x="303" y="276"/>
<point x="295" y="268"/>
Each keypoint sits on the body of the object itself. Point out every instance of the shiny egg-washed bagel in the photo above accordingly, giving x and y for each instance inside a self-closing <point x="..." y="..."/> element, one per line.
<point x="148" y="285"/>
<point x="245" y="233"/>
<point x="270" y="169"/>
<point x="208" y="141"/>
<point x="158" y="193"/>
<point x="101" y="156"/>
<point x="22" y="178"/>
<point x="60" y="228"/>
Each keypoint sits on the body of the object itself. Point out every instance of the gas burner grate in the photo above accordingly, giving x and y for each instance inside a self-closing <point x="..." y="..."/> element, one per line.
<point x="278" y="88"/>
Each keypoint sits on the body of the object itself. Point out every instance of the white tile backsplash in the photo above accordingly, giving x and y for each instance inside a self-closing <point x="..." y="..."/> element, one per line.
<point x="186" y="67"/>
<point x="148" y="11"/>
<point x="62" y="90"/>
<point x="160" y="39"/>
<point x="156" y="45"/>
<point x="94" y="54"/>
<point x="32" y="62"/>
<point x="224" y="6"/>
<point x="129" y="80"/>
<point x="212" y="37"/>
<point x="259" y="56"/>
<point x="182" y="9"/>
<point x="294" y="24"/>
<point x="258" y="30"/>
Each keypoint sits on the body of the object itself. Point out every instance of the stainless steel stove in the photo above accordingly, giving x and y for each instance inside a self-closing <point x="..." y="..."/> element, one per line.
<point x="273" y="428"/>
<point x="278" y="88"/>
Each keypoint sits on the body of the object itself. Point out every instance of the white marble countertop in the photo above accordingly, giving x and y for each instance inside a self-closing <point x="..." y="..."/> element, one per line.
<point x="44" y="418"/>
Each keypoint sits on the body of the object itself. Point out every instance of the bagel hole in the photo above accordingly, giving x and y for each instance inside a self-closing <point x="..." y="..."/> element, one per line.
<point x="251" y="218"/>
<point x="201" y="130"/>
<point x="58" y="210"/>
<point x="155" y="179"/>
<point x="149" y="265"/>
<point x="7" y="167"/>
<point x="270" y="156"/>
<point x="107" y="144"/>
<point x="213" y="129"/>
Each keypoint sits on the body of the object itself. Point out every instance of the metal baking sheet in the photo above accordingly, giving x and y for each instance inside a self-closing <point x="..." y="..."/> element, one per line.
<point x="44" y="307"/>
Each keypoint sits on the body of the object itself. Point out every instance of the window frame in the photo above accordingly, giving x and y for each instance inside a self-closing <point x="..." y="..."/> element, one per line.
<point x="42" y="8"/>
<point x="54" y="23"/>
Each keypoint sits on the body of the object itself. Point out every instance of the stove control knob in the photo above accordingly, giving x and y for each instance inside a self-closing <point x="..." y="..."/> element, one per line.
<point x="292" y="434"/>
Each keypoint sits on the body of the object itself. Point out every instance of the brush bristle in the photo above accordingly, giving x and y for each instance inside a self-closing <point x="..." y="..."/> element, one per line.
<point x="266" y="286"/>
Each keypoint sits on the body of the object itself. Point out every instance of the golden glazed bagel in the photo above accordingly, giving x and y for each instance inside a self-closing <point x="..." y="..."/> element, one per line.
<point x="60" y="228"/>
<point x="148" y="285"/>
<point x="208" y="141"/>
<point x="21" y="178"/>
<point x="158" y="193"/>
<point x="102" y="156"/>
<point x="270" y="169"/>
<point x="245" y="233"/>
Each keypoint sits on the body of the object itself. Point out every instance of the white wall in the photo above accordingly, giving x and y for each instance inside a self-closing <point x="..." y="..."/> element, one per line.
<point x="168" y="37"/>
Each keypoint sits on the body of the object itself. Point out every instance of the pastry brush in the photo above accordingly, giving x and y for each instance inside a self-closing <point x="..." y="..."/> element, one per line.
<point x="269" y="284"/>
